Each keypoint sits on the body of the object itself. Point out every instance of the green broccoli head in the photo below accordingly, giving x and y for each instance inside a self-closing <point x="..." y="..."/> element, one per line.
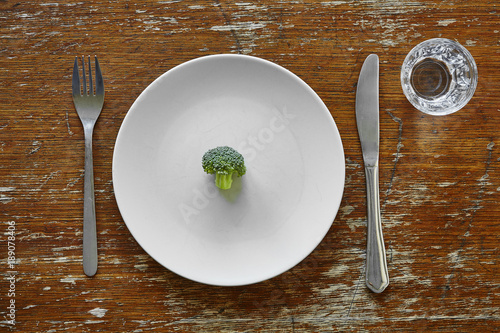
<point x="223" y="162"/>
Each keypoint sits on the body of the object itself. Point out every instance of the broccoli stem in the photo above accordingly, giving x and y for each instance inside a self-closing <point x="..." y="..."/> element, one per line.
<point x="223" y="181"/>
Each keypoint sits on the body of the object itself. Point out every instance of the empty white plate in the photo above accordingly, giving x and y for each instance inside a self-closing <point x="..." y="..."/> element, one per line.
<point x="274" y="216"/>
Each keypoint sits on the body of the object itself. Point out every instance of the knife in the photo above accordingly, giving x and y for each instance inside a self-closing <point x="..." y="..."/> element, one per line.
<point x="367" y="118"/>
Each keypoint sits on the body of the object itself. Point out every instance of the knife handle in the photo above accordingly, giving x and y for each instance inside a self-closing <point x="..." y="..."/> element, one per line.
<point x="377" y="276"/>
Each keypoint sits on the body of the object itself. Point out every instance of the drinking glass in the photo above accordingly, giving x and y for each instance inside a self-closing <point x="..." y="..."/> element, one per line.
<point x="439" y="76"/>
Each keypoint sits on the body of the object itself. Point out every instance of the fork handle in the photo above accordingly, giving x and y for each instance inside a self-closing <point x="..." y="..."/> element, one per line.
<point x="89" y="220"/>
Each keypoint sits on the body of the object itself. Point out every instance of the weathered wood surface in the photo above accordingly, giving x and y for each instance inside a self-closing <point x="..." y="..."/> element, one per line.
<point x="439" y="175"/>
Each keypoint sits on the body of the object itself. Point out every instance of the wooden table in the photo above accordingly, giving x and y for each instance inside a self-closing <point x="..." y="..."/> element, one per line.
<point x="439" y="176"/>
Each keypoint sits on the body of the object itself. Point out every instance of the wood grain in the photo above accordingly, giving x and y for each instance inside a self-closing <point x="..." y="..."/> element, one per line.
<point x="439" y="175"/>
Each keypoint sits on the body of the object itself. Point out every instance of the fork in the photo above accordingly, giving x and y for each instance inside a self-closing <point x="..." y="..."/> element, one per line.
<point x="88" y="105"/>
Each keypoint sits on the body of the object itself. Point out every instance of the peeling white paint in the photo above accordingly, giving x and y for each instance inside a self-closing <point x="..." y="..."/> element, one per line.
<point x="333" y="3"/>
<point x="238" y="26"/>
<point x="7" y="189"/>
<point x="337" y="270"/>
<point x="34" y="235"/>
<point x="62" y="259"/>
<point x="347" y="209"/>
<point x="64" y="248"/>
<point x="455" y="259"/>
<point x="141" y="267"/>
<point x="446" y="184"/>
<point x="6" y="198"/>
<point x="445" y="23"/>
<point x="353" y="224"/>
<point x="114" y="261"/>
<point x="483" y="179"/>
<point x="70" y="279"/>
<point x="98" y="312"/>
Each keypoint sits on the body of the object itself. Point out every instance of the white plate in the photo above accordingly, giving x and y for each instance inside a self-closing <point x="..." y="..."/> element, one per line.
<point x="274" y="216"/>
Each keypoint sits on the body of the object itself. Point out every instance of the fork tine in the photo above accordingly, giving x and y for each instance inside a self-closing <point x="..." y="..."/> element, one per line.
<point x="76" y="79"/>
<point x="91" y="86"/>
<point x="84" y="80"/>
<point x="99" y="83"/>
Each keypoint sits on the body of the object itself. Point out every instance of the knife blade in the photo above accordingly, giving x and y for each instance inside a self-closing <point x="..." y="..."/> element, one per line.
<point x="367" y="119"/>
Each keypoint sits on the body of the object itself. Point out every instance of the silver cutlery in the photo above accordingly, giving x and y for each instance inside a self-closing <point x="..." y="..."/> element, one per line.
<point x="367" y="118"/>
<point x="88" y="103"/>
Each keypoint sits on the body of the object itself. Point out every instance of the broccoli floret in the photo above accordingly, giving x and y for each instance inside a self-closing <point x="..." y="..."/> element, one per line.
<point x="223" y="162"/>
